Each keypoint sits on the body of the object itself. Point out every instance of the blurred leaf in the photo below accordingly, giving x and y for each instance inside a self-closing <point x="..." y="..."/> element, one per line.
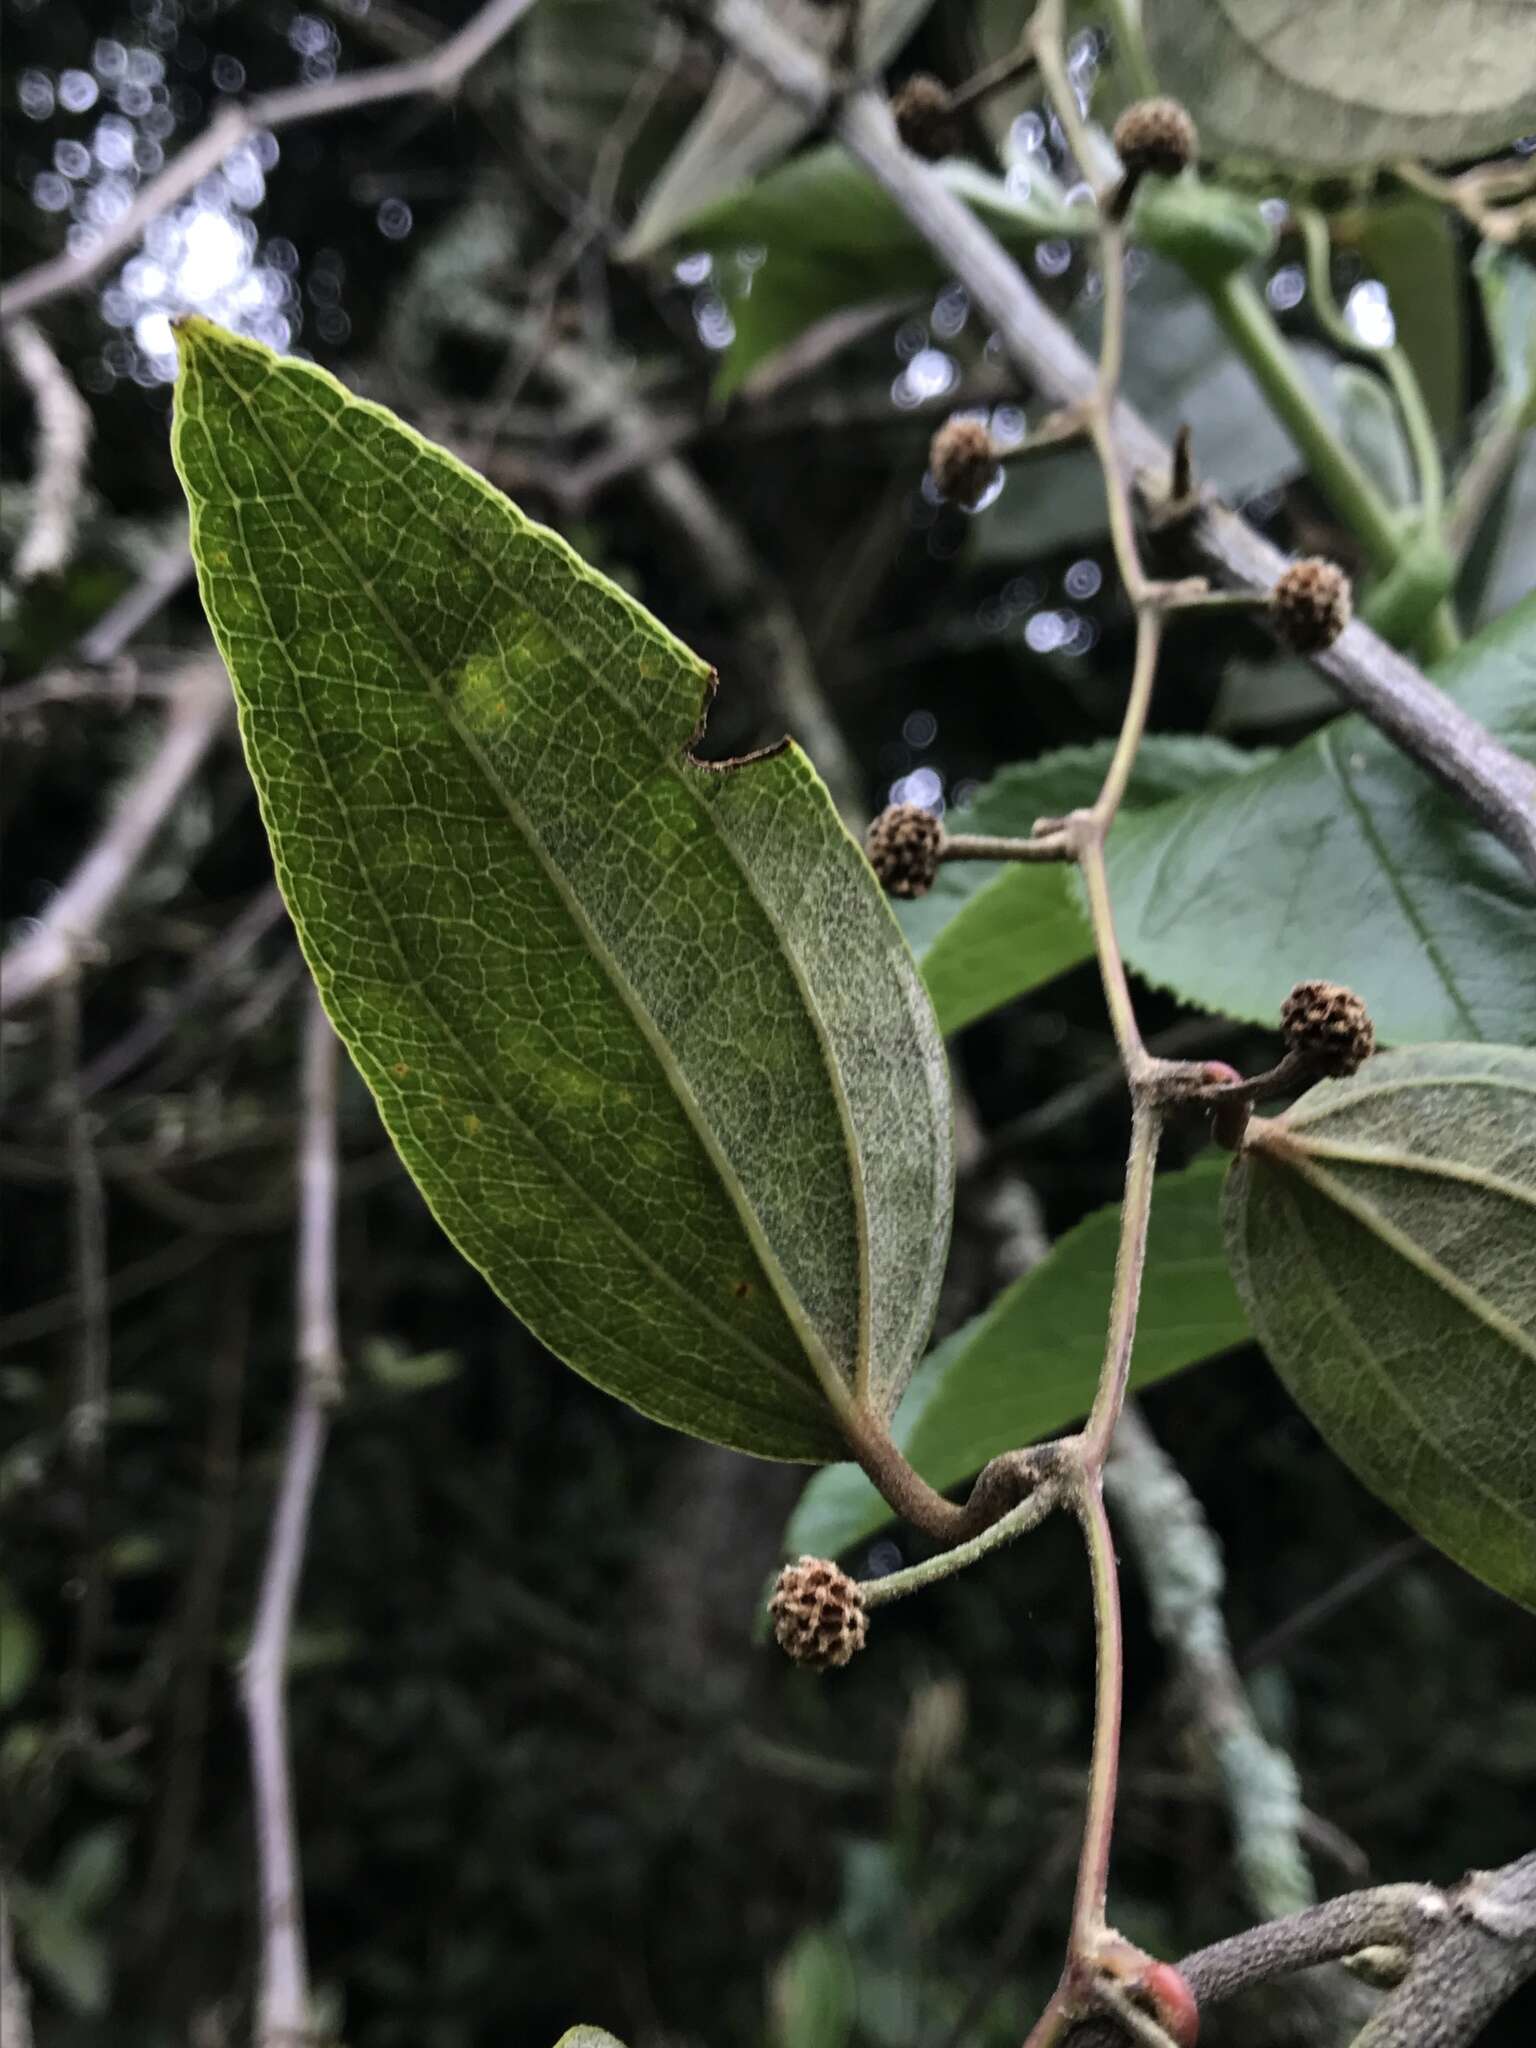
<point x="1342" y="82"/>
<point x="644" y="1032"/>
<point x="1205" y="229"/>
<point x="1383" y="1237"/>
<point x="395" y="1369"/>
<point x="1370" y="423"/>
<point x="89" y="1874"/>
<point x="1028" y="1365"/>
<point x="1507" y="545"/>
<point x="1256" y="696"/>
<point x="1507" y="284"/>
<point x="588" y="2037"/>
<point x="831" y="238"/>
<point x="747" y="124"/>
<point x="73" y="1959"/>
<point x="1410" y="245"/>
<point x="812" y="1995"/>
<point x="20" y="1652"/>
<point x="1181" y="372"/>
<point x="1342" y="860"/>
<point x="988" y="931"/>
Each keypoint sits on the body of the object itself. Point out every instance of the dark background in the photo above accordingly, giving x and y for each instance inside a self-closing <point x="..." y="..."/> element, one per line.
<point x="543" y="1772"/>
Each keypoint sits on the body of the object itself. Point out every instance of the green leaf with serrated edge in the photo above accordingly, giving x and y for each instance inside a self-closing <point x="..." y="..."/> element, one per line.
<point x="1332" y="83"/>
<point x="988" y="931"/>
<point x="1383" y="1237"/>
<point x="643" y="1031"/>
<point x="1027" y="1366"/>
<point x="1342" y="860"/>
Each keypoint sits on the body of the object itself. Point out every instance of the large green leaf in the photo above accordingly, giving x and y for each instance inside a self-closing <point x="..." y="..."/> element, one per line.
<point x="643" y="1030"/>
<point x="1341" y="82"/>
<point x="988" y="931"/>
<point x="1028" y="1365"/>
<point x="1383" y="1237"/>
<point x="1341" y="859"/>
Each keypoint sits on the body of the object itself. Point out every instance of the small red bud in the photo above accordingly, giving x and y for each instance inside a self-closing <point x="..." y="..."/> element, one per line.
<point x="1161" y="1991"/>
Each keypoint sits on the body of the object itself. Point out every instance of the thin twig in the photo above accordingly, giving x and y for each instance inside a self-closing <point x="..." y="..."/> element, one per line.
<point x="63" y="442"/>
<point x="67" y="932"/>
<point x="284" y="2006"/>
<point x="214" y="961"/>
<point x="442" y="73"/>
<point x="197" y="1624"/>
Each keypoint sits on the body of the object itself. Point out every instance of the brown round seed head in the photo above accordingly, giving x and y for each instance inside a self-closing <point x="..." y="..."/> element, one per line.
<point x="818" y="1614"/>
<point x="903" y="845"/>
<point x="1329" y="1024"/>
<point x="1155" y="135"/>
<point x="921" y="111"/>
<point x="962" y="459"/>
<point x="1311" y="605"/>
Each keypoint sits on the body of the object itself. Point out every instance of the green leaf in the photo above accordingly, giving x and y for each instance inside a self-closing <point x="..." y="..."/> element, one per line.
<point x="747" y="123"/>
<point x="643" y="1031"/>
<point x="1370" y="423"/>
<point x="1411" y="245"/>
<point x="1344" y="82"/>
<point x="1383" y="1237"/>
<point x="588" y="2037"/>
<point x="831" y="238"/>
<point x="1028" y="1365"/>
<point x="988" y="931"/>
<point x="1342" y="860"/>
<point x="813" y="1994"/>
<point x="69" y="1955"/>
<point x="1507" y="284"/>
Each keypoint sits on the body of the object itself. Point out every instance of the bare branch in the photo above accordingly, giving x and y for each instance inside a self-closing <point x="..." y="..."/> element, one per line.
<point x="441" y="73"/>
<point x="1494" y="783"/>
<point x="69" y="927"/>
<point x="63" y="441"/>
<point x="284" y="2018"/>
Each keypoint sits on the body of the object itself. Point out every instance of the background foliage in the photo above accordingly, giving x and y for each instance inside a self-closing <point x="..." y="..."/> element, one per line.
<point x="543" y="1772"/>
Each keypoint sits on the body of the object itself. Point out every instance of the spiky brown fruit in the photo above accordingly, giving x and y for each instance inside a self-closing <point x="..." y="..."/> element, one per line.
<point x="903" y="845"/>
<point x="1155" y="135"/>
<point x="1311" y="605"/>
<point x="818" y="1614"/>
<point x="924" y="120"/>
<point x="962" y="459"/>
<point x="1329" y="1024"/>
